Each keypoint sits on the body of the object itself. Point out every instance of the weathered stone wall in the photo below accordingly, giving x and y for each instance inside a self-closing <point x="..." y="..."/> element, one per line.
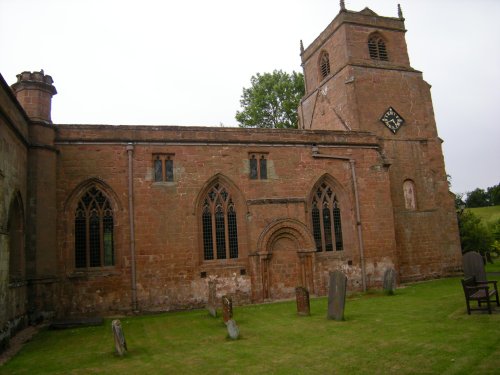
<point x="171" y="272"/>
<point x="13" y="187"/>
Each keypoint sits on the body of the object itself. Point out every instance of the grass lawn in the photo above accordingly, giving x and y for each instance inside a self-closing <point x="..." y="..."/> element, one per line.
<point x="487" y="214"/>
<point x="422" y="329"/>
<point x="493" y="267"/>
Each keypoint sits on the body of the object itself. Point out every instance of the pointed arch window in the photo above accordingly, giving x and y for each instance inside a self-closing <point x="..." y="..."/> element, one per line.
<point x="220" y="230"/>
<point x="324" y="64"/>
<point x="94" y="245"/>
<point x="326" y="220"/>
<point x="377" y="48"/>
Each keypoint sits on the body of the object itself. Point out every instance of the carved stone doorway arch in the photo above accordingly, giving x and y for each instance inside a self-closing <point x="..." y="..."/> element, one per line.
<point x="286" y="249"/>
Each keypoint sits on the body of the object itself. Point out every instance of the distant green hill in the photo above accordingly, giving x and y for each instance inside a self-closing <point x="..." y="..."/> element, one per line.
<point x="487" y="214"/>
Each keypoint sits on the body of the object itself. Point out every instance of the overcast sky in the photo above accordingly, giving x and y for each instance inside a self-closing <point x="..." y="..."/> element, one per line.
<point x="152" y="62"/>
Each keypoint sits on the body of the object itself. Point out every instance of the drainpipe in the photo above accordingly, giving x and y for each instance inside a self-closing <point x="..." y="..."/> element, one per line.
<point x="317" y="155"/>
<point x="130" y="150"/>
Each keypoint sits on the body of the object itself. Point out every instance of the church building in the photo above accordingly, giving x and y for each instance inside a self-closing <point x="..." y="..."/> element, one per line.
<point x="101" y="219"/>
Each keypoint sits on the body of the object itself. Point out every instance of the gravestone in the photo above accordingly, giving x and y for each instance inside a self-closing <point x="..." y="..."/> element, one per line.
<point x="232" y="329"/>
<point x="473" y="265"/>
<point x="303" y="305"/>
<point x="212" y="303"/>
<point x="389" y="281"/>
<point x="120" y="343"/>
<point x="336" y="295"/>
<point x="227" y="308"/>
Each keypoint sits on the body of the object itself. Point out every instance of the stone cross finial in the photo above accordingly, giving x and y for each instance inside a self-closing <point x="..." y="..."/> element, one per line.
<point x="342" y="5"/>
<point x="301" y="47"/>
<point x="400" y="12"/>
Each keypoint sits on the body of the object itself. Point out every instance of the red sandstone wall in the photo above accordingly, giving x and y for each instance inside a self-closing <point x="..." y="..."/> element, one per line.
<point x="167" y="220"/>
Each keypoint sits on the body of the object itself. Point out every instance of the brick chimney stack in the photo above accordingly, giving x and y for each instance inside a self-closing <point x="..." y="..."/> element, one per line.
<point x="34" y="92"/>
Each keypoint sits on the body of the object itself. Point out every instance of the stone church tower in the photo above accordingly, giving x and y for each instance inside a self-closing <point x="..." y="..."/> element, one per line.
<point x="359" y="79"/>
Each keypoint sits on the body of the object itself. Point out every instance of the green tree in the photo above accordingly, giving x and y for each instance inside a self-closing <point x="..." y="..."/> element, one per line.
<point x="474" y="235"/>
<point x="271" y="101"/>
<point x="477" y="198"/>
<point x="494" y="195"/>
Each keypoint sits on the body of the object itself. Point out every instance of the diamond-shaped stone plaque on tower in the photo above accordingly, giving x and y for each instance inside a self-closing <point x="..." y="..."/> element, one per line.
<point x="392" y="120"/>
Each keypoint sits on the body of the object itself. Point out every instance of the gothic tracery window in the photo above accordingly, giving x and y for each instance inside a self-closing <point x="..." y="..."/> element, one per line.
<point x="326" y="220"/>
<point x="324" y="64"/>
<point x="220" y="232"/>
<point x="377" y="48"/>
<point x="94" y="231"/>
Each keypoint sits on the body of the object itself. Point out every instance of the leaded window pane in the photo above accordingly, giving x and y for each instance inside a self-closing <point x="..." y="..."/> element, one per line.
<point x="220" y="233"/>
<point x="158" y="171"/>
<point x="316" y="227"/>
<point x="108" y="241"/>
<point x="208" y="246"/>
<point x="253" y="168"/>
<point x="327" y="228"/>
<point x="337" y="227"/>
<point x="169" y="169"/>
<point x="95" y="240"/>
<point x="263" y="168"/>
<point x="233" y="233"/>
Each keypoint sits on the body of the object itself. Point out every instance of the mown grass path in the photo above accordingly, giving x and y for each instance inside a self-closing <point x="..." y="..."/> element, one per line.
<point x="422" y="329"/>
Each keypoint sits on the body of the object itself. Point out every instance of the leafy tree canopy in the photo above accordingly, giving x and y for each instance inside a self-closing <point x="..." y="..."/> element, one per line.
<point x="272" y="100"/>
<point x="484" y="198"/>
<point x="474" y="235"/>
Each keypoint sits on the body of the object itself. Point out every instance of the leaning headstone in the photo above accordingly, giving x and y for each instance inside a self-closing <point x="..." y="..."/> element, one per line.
<point x="473" y="265"/>
<point x="232" y="329"/>
<point x="336" y="295"/>
<point x="227" y="308"/>
<point x="120" y="343"/>
<point x="212" y="303"/>
<point x="302" y="296"/>
<point x="390" y="281"/>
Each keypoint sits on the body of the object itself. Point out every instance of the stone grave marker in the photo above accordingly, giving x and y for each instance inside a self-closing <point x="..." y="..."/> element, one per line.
<point x="212" y="295"/>
<point x="336" y="295"/>
<point x="120" y="343"/>
<point x="473" y="265"/>
<point x="227" y="308"/>
<point x="232" y="329"/>
<point x="303" y="305"/>
<point x="389" y="281"/>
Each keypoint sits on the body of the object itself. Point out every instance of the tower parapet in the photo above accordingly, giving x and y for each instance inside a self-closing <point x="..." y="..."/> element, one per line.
<point x="34" y="91"/>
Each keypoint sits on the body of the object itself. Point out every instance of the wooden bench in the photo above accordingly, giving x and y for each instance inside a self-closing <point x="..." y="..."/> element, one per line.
<point x="480" y="291"/>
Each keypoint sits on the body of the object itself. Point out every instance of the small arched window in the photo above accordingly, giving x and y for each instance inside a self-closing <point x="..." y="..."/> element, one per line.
<point x="324" y="64"/>
<point x="326" y="220"/>
<point x="220" y="231"/>
<point x="377" y="48"/>
<point x="409" y="194"/>
<point x="94" y="230"/>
